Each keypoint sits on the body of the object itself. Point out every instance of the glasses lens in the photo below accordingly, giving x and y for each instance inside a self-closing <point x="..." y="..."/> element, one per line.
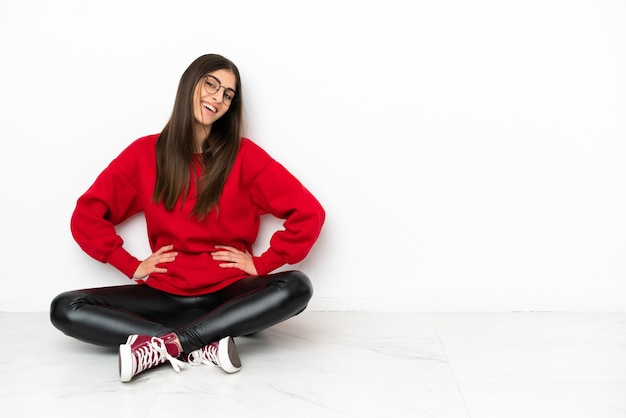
<point x="228" y="97"/>
<point x="211" y="84"/>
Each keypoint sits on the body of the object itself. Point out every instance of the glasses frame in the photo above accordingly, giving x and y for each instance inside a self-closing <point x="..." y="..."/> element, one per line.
<point x="232" y="92"/>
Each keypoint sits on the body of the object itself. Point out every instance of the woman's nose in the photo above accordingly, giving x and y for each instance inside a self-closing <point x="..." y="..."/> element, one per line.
<point x="219" y="95"/>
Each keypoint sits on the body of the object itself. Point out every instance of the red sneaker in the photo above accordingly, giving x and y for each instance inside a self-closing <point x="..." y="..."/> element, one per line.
<point x="142" y="352"/>
<point x="222" y="353"/>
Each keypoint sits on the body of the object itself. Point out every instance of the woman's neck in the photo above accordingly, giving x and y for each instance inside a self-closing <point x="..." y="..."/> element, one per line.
<point x="202" y="133"/>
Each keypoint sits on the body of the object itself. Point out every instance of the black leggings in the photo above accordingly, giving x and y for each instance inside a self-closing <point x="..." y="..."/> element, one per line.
<point x="107" y="316"/>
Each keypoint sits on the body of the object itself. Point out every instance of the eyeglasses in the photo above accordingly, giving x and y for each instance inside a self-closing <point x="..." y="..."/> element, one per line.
<point x="212" y="85"/>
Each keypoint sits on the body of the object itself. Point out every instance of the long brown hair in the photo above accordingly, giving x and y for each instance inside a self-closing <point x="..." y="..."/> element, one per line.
<point x="176" y="144"/>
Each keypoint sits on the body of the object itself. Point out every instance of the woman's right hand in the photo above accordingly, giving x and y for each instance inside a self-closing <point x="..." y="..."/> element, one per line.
<point x="149" y="265"/>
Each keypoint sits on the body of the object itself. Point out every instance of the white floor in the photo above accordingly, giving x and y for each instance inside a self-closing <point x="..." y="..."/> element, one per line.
<point x="340" y="364"/>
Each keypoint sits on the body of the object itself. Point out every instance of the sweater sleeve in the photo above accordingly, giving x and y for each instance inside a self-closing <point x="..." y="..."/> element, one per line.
<point x="276" y="191"/>
<point x="109" y="201"/>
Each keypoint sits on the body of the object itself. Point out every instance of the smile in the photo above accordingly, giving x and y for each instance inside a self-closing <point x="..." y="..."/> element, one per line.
<point x="209" y="107"/>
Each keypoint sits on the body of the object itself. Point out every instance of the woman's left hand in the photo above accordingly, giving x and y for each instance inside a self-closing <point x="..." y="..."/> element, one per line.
<point x="235" y="259"/>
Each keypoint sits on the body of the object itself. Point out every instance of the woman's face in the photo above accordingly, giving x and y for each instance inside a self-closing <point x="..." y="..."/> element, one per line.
<point x="212" y="97"/>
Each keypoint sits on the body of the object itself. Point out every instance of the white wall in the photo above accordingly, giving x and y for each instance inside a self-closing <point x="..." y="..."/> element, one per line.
<point x="470" y="154"/>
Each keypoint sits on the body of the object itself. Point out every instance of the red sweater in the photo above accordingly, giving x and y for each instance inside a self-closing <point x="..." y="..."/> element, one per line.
<point x="257" y="185"/>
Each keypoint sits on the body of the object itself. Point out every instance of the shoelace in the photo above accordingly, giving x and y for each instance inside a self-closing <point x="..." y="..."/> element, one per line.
<point x="153" y="353"/>
<point x="206" y="355"/>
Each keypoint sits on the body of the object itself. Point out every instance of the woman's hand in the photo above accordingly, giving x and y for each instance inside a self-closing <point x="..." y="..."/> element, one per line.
<point x="235" y="259"/>
<point x="149" y="265"/>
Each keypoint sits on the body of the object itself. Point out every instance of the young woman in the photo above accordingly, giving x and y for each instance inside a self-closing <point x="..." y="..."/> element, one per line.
<point x="202" y="188"/>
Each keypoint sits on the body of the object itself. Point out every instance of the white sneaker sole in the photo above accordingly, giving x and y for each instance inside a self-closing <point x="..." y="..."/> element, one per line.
<point x="228" y="355"/>
<point x="126" y="359"/>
